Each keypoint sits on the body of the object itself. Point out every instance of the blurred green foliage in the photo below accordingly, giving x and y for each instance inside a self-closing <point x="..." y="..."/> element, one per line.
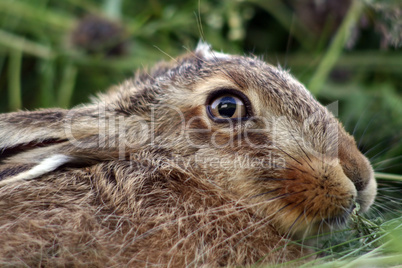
<point x="59" y="53"/>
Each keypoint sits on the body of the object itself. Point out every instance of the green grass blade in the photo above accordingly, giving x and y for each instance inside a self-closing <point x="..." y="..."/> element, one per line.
<point x="37" y="14"/>
<point x="47" y="72"/>
<point x="67" y="84"/>
<point x="386" y="176"/>
<point x="335" y="49"/>
<point x="283" y="15"/>
<point x="13" y="41"/>
<point x="14" y="82"/>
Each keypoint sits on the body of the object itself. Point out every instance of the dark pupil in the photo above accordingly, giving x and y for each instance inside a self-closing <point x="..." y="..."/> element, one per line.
<point x="227" y="107"/>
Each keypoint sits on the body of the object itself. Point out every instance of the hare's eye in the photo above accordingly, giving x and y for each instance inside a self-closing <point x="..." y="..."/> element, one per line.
<point x="227" y="107"/>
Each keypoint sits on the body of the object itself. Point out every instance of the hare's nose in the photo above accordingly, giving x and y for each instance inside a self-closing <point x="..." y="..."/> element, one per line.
<point x="355" y="166"/>
<point x="359" y="173"/>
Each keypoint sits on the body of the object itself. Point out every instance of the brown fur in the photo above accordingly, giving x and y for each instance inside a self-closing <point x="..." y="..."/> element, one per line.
<point x="143" y="177"/>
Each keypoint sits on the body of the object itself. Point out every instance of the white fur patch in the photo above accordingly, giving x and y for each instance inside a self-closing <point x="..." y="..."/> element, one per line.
<point x="47" y="165"/>
<point x="206" y="51"/>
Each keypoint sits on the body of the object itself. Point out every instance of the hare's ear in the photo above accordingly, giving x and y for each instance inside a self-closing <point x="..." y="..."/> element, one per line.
<point x="21" y="132"/>
<point x="21" y="129"/>
<point x="35" y="143"/>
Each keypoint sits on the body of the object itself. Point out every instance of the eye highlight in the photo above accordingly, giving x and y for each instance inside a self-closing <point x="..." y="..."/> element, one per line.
<point x="226" y="105"/>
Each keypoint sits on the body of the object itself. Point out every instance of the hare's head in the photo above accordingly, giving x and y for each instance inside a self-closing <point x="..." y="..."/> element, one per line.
<point x="247" y="126"/>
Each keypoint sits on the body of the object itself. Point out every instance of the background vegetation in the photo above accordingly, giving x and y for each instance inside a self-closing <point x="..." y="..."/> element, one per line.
<point x="59" y="53"/>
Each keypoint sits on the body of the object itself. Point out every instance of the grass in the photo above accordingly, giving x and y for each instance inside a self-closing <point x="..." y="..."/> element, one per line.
<point x="335" y="49"/>
<point x="351" y="55"/>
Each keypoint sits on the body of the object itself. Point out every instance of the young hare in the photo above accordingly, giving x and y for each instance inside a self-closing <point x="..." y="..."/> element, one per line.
<point x="211" y="159"/>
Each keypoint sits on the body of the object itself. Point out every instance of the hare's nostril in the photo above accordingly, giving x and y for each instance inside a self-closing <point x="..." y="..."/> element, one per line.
<point x="359" y="184"/>
<point x="358" y="179"/>
<point x="355" y="166"/>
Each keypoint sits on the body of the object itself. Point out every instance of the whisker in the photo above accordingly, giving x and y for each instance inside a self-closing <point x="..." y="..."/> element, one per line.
<point x="358" y="122"/>
<point x="377" y="169"/>
<point x="374" y="147"/>
<point x="289" y="42"/>
<point x="365" y="129"/>
<point x="301" y="148"/>
<point x="273" y="179"/>
<point x="387" y="160"/>
<point x="199" y="22"/>
<point x="293" y="167"/>
<point x="165" y="53"/>
<point x="373" y="158"/>
<point x="280" y="196"/>
<point x="297" y="219"/>
<point x="287" y="154"/>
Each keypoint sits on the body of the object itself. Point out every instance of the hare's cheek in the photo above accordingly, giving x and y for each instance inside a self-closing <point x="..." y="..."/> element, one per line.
<point x="313" y="195"/>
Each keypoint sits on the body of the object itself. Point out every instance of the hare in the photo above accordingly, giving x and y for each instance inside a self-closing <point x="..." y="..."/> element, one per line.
<point x="208" y="160"/>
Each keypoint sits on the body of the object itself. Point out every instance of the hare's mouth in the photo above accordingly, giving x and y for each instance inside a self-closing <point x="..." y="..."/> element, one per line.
<point x="322" y="226"/>
<point x="337" y="221"/>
